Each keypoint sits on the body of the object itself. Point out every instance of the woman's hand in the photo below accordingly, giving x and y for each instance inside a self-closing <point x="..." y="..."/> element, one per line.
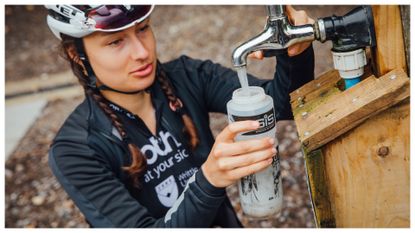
<point x="296" y="18"/>
<point x="229" y="161"/>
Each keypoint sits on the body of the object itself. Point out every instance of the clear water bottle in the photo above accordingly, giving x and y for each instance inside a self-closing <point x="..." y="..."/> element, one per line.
<point x="260" y="193"/>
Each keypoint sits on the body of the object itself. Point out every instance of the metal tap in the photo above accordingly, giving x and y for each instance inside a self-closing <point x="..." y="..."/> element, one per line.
<point x="278" y="34"/>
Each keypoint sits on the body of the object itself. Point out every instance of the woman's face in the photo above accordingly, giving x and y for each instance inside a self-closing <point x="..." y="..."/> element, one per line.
<point x="124" y="60"/>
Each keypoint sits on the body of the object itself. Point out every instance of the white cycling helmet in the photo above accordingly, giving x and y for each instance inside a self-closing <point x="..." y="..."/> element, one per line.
<point x="80" y="21"/>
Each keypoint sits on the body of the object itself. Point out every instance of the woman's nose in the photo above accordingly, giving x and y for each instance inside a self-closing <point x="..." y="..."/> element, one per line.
<point x="138" y="50"/>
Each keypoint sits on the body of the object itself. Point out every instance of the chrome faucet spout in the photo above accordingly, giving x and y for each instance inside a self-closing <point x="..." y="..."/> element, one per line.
<point x="278" y="34"/>
<point x="261" y="41"/>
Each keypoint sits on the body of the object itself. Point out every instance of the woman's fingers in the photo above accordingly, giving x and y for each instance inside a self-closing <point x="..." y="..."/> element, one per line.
<point x="228" y="134"/>
<point x="242" y="147"/>
<point x="290" y="13"/>
<point x="256" y="55"/>
<point x="233" y="162"/>
<point x="298" y="18"/>
<point x="250" y="169"/>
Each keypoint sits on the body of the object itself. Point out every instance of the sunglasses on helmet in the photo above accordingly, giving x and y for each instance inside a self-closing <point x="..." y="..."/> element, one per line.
<point x="116" y="17"/>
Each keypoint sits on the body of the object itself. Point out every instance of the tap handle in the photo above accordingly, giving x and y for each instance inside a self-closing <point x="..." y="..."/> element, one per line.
<point x="275" y="11"/>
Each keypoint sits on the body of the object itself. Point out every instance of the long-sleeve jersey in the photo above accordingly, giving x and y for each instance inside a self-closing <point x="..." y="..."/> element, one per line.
<point x="88" y="154"/>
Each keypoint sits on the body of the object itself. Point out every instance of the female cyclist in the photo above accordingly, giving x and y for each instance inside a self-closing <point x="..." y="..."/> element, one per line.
<point x="138" y="151"/>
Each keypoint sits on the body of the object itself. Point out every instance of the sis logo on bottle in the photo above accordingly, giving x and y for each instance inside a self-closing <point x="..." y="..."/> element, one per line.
<point x="266" y="122"/>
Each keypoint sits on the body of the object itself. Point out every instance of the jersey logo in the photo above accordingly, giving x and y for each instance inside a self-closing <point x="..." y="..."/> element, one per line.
<point x="160" y="146"/>
<point x="167" y="191"/>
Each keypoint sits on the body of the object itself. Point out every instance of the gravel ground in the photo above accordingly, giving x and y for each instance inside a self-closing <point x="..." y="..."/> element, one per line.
<point x="34" y="198"/>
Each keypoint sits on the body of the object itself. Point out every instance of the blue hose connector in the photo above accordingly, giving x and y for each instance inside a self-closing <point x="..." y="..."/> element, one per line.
<point x="350" y="82"/>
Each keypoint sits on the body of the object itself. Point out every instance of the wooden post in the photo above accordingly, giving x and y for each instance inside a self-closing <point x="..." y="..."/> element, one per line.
<point x="356" y="142"/>
<point x="390" y="51"/>
<point x="368" y="171"/>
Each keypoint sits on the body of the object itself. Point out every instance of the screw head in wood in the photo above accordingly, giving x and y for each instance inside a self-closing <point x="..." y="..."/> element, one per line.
<point x="383" y="151"/>
<point x="300" y="101"/>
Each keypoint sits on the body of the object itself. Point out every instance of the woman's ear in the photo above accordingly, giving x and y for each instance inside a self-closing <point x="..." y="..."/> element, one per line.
<point x="73" y="55"/>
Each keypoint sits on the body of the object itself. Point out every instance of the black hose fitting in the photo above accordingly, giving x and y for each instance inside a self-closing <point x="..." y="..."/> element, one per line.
<point x="349" y="32"/>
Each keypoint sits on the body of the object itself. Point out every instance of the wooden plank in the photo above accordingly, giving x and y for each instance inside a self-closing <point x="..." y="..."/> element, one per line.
<point x="389" y="37"/>
<point x="319" y="90"/>
<point x="323" y="82"/>
<point x="315" y="92"/>
<point x="345" y="110"/>
<point x="369" y="169"/>
<point x="318" y="189"/>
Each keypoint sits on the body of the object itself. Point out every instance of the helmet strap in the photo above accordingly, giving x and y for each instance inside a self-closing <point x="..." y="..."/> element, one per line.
<point x="104" y="87"/>
<point x="92" y="82"/>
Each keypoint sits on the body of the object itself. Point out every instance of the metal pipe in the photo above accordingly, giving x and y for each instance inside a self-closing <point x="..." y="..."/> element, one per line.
<point x="275" y="11"/>
<point x="278" y="34"/>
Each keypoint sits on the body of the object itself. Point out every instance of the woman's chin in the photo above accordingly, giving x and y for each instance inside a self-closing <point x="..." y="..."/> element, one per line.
<point x="143" y="85"/>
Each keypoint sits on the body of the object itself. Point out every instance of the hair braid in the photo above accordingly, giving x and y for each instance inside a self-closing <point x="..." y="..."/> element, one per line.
<point x="189" y="127"/>
<point x="138" y="163"/>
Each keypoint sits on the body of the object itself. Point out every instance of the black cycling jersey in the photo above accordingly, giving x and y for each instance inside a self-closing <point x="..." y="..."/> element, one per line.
<point x="87" y="154"/>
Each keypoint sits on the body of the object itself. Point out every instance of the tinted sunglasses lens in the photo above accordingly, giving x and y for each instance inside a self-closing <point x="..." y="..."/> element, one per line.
<point x="113" y="17"/>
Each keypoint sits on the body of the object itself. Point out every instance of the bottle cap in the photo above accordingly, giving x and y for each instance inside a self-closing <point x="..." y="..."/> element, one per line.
<point x="256" y="94"/>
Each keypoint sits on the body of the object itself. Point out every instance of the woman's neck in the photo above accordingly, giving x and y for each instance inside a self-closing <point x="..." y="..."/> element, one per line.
<point x="139" y="104"/>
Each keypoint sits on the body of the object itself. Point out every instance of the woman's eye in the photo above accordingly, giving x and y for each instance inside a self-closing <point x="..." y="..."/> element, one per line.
<point x="144" y="28"/>
<point x="115" y="42"/>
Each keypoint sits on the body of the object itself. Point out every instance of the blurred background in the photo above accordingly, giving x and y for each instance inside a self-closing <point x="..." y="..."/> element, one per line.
<point x="41" y="92"/>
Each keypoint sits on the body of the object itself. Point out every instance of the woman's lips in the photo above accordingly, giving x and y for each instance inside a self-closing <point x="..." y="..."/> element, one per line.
<point x="142" y="72"/>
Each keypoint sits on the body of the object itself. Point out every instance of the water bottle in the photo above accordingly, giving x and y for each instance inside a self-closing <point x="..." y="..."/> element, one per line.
<point x="260" y="193"/>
